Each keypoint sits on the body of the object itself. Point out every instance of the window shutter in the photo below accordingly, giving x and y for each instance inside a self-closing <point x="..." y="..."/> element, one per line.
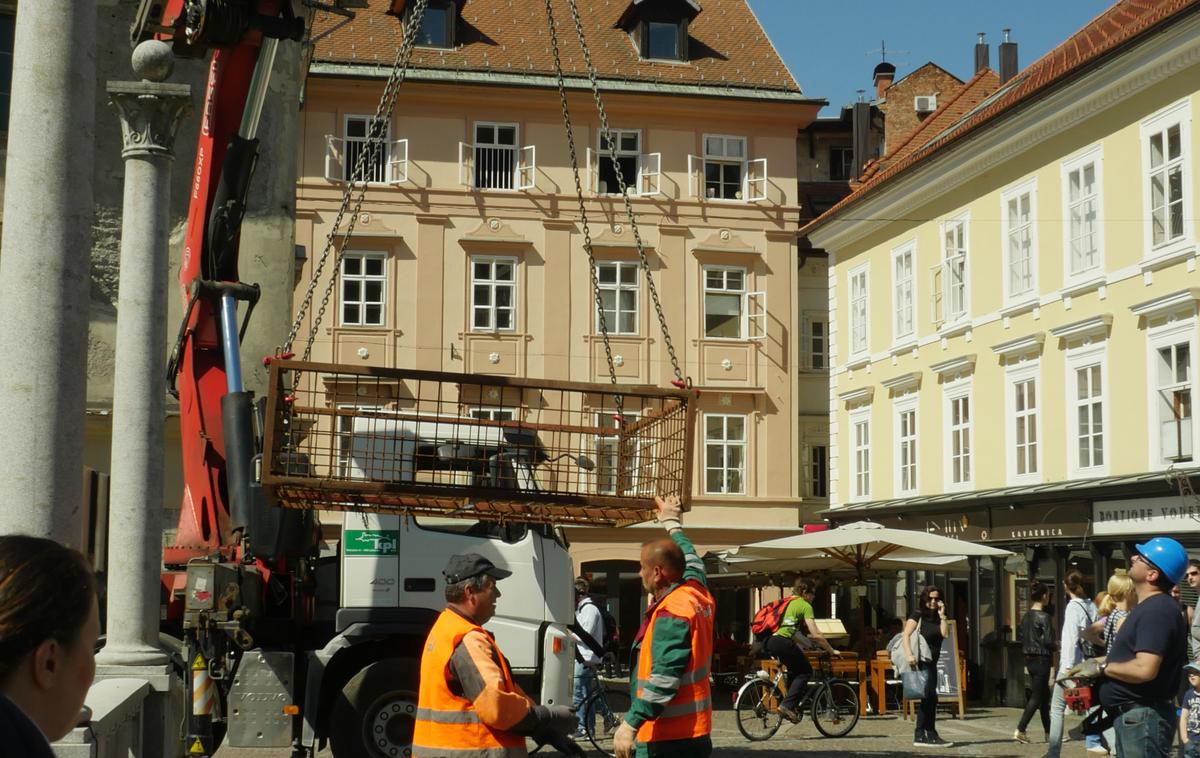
<point x="695" y="163"/>
<point x="335" y="158"/>
<point x="397" y="162"/>
<point x="593" y="171"/>
<point x="683" y="39"/>
<point x="466" y="160"/>
<point x="527" y="167"/>
<point x="649" y="174"/>
<point x="754" y="316"/>
<point x="935" y="295"/>
<point x="754" y="188"/>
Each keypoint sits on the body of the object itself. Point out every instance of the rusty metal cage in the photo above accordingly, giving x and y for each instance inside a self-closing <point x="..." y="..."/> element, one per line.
<point x="476" y="446"/>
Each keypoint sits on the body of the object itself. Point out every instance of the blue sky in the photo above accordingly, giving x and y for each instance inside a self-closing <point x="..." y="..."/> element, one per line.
<point x="832" y="47"/>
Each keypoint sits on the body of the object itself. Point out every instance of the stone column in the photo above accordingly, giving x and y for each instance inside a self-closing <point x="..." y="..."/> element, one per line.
<point x="47" y="243"/>
<point x="150" y="113"/>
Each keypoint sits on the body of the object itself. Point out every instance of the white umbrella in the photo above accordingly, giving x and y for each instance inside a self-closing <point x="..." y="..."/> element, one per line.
<point x="860" y="546"/>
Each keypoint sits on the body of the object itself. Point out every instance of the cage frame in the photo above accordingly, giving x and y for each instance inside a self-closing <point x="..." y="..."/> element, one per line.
<point x="466" y="501"/>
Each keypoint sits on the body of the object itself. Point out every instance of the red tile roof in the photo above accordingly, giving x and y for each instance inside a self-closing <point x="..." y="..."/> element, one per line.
<point x="1123" y="23"/>
<point x="728" y="46"/>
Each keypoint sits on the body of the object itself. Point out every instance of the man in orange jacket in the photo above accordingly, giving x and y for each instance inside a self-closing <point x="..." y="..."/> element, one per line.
<point x="671" y="710"/>
<point x="468" y="702"/>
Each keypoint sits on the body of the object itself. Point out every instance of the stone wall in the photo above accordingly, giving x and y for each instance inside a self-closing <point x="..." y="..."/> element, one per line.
<point x="898" y="103"/>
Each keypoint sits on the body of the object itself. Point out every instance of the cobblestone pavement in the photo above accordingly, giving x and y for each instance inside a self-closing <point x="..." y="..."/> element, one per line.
<point x="982" y="732"/>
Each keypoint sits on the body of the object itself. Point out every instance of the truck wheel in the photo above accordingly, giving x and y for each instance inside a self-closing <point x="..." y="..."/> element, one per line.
<point x="374" y="715"/>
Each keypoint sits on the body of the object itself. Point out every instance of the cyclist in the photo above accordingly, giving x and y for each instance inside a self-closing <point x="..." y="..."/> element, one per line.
<point x="797" y="632"/>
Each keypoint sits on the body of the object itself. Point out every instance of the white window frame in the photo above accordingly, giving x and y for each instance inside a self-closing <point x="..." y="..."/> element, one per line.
<point x="752" y="316"/>
<point x="493" y="284"/>
<point x="904" y="293"/>
<point x="1011" y="228"/>
<point x="941" y="275"/>
<point x="859" y="287"/>
<point x="859" y="437"/>
<point x="647" y="176"/>
<point x="1080" y="359"/>
<point x="362" y="279"/>
<point x="1019" y="374"/>
<point x="727" y="444"/>
<point x="392" y="168"/>
<point x="617" y="287"/>
<point x="1093" y="156"/>
<point x="951" y="393"/>
<point x="606" y="455"/>
<point x="1179" y="113"/>
<point x="809" y="350"/>
<point x="754" y="176"/>
<point x="524" y="173"/>
<point x="906" y="480"/>
<point x="492" y="413"/>
<point x="1174" y="334"/>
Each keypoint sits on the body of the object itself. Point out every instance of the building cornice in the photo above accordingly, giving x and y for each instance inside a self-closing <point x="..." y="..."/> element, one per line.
<point x="856" y="397"/>
<point x="546" y="81"/>
<point x="1089" y="328"/>
<point x="899" y="385"/>
<point x="963" y="364"/>
<point x="1176" y="302"/>
<point x="1112" y="81"/>
<point x="1021" y="347"/>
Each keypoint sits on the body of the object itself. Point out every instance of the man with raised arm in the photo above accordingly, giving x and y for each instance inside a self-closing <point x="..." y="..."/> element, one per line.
<point x="671" y="713"/>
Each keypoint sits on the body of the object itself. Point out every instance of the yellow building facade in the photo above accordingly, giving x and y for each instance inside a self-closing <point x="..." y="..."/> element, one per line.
<point x="1013" y="315"/>
<point x="468" y="251"/>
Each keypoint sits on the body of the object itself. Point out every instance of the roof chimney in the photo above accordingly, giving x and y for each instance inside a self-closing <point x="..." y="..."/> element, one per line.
<point x="885" y="74"/>
<point x="1008" y="58"/>
<point x="983" y="55"/>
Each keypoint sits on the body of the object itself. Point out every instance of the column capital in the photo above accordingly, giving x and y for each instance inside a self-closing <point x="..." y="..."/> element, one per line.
<point x="150" y="114"/>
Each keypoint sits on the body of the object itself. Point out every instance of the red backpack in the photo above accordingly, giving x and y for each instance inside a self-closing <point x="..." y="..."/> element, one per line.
<point x="768" y="618"/>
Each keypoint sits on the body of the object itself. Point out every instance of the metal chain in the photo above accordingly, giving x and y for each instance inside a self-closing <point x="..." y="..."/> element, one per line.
<point x="587" y="234"/>
<point x="357" y="188"/>
<point x="612" y="151"/>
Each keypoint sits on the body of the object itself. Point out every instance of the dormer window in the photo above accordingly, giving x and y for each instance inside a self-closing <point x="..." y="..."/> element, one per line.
<point x="437" y="23"/>
<point x="664" y="40"/>
<point x="659" y="28"/>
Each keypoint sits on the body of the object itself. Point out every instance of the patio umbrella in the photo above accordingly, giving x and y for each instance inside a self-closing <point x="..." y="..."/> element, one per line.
<point x="860" y="547"/>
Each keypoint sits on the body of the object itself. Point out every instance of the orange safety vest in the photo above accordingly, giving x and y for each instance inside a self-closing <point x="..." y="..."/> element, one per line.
<point x="689" y="713"/>
<point x="447" y="724"/>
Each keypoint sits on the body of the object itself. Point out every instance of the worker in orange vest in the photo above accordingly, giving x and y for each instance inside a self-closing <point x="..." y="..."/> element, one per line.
<point x="468" y="702"/>
<point x="671" y="712"/>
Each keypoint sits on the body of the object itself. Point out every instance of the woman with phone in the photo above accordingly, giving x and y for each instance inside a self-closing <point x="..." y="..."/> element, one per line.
<point x="929" y="621"/>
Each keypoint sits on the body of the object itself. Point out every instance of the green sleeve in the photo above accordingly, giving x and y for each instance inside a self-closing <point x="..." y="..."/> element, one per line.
<point x="693" y="567"/>
<point x="671" y="652"/>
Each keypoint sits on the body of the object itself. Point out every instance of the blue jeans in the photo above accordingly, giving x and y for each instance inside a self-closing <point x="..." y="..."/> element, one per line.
<point x="585" y="677"/>
<point x="1146" y="732"/>
<point x="1058" y="706"/>
<point x="1192" y="748"/>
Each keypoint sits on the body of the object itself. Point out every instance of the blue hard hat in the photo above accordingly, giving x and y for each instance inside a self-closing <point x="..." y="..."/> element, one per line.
<point x="1166" y="555"/>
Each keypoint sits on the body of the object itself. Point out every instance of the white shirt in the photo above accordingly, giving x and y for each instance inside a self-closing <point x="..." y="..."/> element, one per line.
<point x="587" y="615"/>
<point x="1080" y="612"/>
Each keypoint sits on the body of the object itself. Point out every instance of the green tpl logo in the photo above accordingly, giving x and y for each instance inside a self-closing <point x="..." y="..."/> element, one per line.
<point x="371" y="541"/>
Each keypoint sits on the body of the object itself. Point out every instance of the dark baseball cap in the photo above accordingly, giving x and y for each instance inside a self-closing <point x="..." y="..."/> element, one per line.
<point x="467" y="565"/>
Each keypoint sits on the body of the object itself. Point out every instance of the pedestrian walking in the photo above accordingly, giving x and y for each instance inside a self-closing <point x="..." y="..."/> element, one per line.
<point x="468" y="703"/>
<point x="1140" y="677"/>
<point x="1079" y="613"/>
<point x="49" y="625"/>
<point x="1189" y="714"/>
<point x="1038" y="645"/>
<point x="587" y="658"/>
<point x="1193" y="579"/>
<point x="929" y="622"/>
<point x="797" y="632"/>
<point x="671" y="710"/>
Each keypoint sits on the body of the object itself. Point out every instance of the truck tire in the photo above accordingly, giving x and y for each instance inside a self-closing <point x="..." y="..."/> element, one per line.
<point x="374" y="715"/>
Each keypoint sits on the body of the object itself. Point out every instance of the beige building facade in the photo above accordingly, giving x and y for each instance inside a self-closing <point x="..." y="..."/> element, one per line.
<point x="1013" y="317"/>
<point x="468" y="253"/>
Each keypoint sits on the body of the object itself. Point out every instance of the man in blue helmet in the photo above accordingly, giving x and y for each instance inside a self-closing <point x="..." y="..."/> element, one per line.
<point x="1139" y="679"/>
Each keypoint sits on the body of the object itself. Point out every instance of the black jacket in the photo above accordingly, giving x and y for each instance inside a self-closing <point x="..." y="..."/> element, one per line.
<point x="20" y="737"/>
<point x="1037" y="634"/>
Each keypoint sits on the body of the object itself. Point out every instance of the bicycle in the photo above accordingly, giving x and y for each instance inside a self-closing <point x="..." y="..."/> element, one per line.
<point x="602" y="711"/>
<point x="832" y="703"/>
